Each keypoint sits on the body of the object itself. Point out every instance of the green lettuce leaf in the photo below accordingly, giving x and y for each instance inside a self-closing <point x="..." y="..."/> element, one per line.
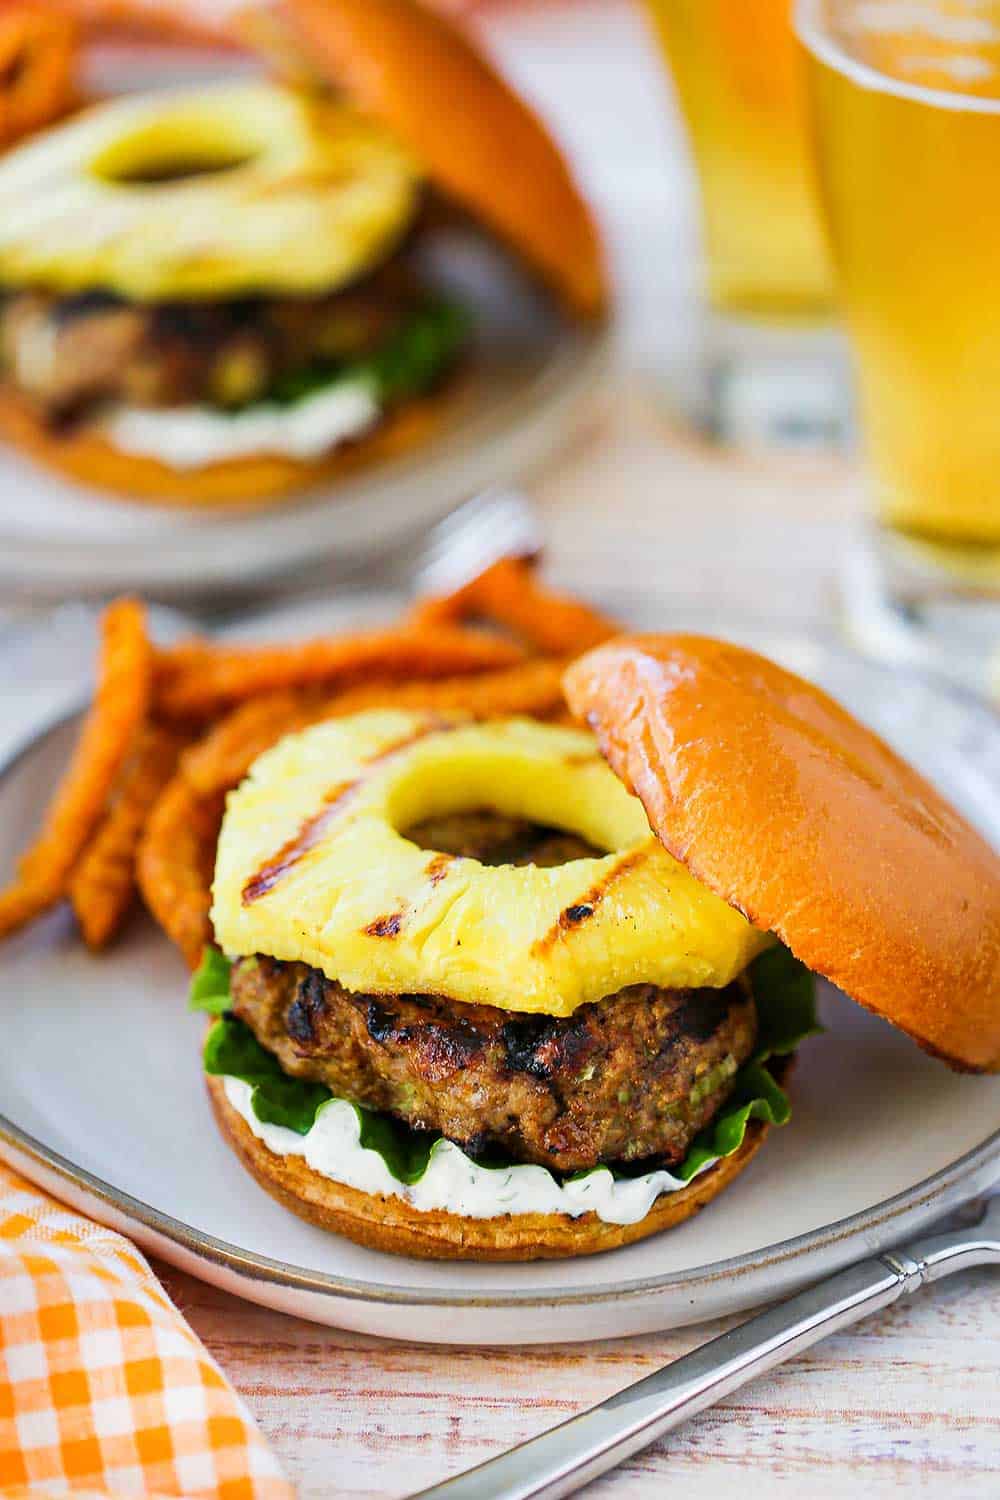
<point x="783" y="990"/>
<point x="405" y="1152"/>
<point x="232" y="1050"/>
<point x="210" y="983"/>
<point x="785" y="994"/>
<point x="409" y="361"/>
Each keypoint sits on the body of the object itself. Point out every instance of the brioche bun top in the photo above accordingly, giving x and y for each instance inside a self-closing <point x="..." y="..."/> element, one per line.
<point x="416" y="72"/>
<point x="792" y="811"/>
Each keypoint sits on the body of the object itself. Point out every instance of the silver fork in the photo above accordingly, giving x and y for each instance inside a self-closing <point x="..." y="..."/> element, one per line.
<point x="562" y="1460"/>
<point x="496" y="523"/>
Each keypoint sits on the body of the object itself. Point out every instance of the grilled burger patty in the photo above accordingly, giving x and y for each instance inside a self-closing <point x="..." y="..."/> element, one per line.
<point x="635" y="1076"/>
<point x="69" y="353"/>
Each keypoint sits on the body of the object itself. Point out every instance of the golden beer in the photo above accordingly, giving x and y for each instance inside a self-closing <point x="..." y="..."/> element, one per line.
<point x="739" y="80"/>
<point x="906" y="104"/>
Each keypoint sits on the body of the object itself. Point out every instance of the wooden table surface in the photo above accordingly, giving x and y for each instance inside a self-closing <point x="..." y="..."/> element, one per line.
<point x="907" y="1404"/>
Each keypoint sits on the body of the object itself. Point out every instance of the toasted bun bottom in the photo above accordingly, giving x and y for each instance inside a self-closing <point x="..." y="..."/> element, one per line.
<point x="392" y="1224"/>
<point x="91" y="460"/>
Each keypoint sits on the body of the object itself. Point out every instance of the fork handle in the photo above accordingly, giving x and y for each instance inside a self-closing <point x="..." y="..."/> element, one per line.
<point x="567" y="1457"/>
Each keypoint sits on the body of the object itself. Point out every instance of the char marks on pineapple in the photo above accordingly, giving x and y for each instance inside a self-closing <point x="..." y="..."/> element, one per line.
<point x="310" y="832"/>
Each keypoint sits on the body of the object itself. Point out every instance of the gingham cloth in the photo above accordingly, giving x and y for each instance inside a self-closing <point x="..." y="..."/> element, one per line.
<point x="104" y="1389"/>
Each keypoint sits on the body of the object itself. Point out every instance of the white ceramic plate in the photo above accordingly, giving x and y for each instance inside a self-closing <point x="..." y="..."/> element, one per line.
<point x="102" y="1101"/>
<point x="514" y="403"/>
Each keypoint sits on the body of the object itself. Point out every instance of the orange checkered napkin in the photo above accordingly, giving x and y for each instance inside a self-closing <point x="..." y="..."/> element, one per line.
<point x="104" y="1389"/>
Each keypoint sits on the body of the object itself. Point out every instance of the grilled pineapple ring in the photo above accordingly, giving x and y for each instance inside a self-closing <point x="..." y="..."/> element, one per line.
<point x="312" y="865"/>
<point x="225" y="191"/>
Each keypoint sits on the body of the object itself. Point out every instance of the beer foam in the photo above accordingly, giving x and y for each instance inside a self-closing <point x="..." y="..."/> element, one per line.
<point x="963" y="67"/>
<point x="893" y="17"/>
<point x="945" y="53"/>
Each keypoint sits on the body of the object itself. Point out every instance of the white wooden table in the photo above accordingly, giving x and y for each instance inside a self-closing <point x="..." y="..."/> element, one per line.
<point x="905" y="1405"/>
<point x="909" y="1403"/>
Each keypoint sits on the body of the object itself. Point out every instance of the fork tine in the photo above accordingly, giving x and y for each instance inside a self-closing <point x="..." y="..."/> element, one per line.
<point x="496" y="523"/>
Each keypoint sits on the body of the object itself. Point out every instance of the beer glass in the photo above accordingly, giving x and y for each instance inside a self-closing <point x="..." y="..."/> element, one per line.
<point x="905" y="104"/>
<point x="739" y="81"/>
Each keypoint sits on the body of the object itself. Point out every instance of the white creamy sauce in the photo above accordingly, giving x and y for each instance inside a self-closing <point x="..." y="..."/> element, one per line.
<point x="452" y="1181"/>
<point x="187" y="437"/>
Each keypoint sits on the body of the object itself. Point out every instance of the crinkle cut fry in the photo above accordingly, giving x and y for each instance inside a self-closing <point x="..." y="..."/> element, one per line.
<point x="119" y="709"/>
<point x="198" y="683"/>
<point x="508" y="593"/>
<point x="175" y="864"/>
<point x="224" y="756"/>
<point x="104" y="882"/>
<point x="38" y="51"/>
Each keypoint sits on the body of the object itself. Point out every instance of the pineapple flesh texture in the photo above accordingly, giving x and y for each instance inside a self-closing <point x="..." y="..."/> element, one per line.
<point x="313" y="865"/>
<point x="231" y="190"/>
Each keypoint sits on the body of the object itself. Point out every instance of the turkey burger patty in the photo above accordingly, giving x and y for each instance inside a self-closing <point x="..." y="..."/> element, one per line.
<point x="69" y="354"/>
<point x="632" y="1078"/>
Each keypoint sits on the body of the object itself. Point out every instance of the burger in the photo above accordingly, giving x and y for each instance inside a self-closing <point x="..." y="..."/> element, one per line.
<point x="508" y="990"/>
<point x="219" y="294"/>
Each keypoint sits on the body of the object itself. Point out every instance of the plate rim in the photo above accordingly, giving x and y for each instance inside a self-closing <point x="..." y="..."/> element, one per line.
<point x="522" y="435"/>
<point x="248" y="1264"/>
<point x="260" y="1268"/>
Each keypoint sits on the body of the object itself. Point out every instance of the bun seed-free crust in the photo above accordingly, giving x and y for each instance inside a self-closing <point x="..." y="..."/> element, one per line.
<point x="803" y="819"/>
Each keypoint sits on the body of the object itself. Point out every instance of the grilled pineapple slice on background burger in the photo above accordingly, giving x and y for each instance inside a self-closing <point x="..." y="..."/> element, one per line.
<point x="218" y="296"/>
<point x="220" y="192"/>
<point x="200" y="279"/>
<point x="314" y="865"/>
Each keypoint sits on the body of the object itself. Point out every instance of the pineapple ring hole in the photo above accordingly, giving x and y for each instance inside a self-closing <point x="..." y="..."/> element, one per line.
<point x="151" y="155"/>
<point x="495" y="839"/>
<point x="178" y="170"/>
<point x="489" y="791"/>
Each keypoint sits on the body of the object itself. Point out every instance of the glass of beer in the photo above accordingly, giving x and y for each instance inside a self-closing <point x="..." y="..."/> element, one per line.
<point x="905" y="104"/>
<point x="739" y="81"/>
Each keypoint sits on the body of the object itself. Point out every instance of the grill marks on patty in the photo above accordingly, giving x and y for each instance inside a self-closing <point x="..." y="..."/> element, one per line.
<point x="67" y="354"/>
<point x="633" y="1077"/>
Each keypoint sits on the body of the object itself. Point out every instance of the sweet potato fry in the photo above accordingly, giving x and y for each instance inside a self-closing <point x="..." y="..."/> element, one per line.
<point x="116" y="715"/>
<point x="103" y="882"/>
<point x="533" y="688"/>
<point x="37" y="66"/>
<point x="222" y="758"/>
<point x="197" y="684"/>
<point x="509" y="594"/>
<point x="138" y="808"/>
<point x="175" y="863"/>
<point x="227" y="752"/>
